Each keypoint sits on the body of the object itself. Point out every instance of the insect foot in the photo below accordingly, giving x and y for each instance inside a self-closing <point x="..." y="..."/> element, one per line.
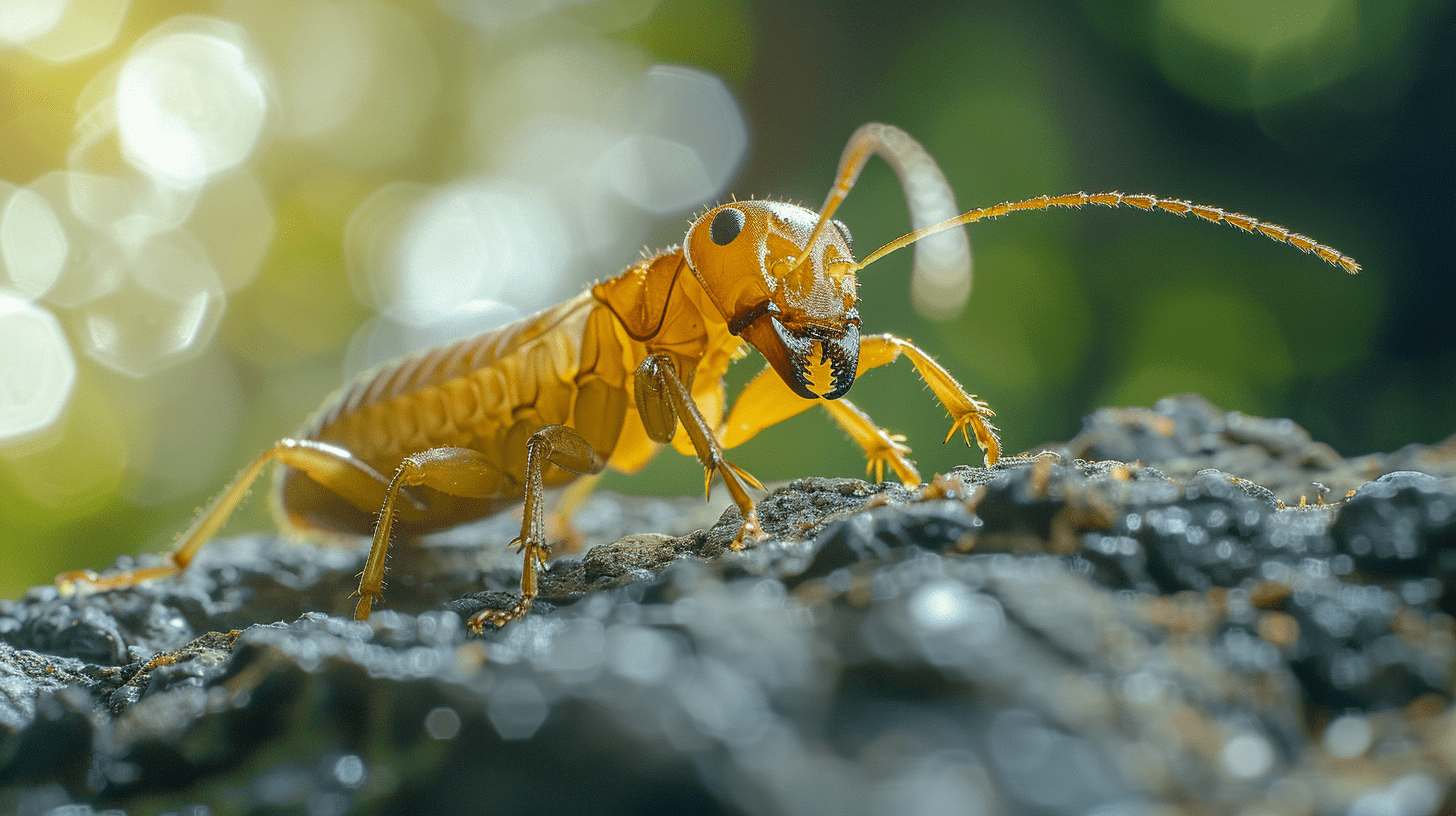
<point x="749" y="532"/>
<point x="1346" y="608"/>
<point x="535" y="560"/>
<point x="975" y="419"/>
<point x="609" y="377"/>
<point x="496" y="618"/>
<point x="890" y="449"/>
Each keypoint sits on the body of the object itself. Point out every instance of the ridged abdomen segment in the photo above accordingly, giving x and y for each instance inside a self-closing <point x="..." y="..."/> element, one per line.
<point x="533" y="385"/>
<point x="489" y="394"/>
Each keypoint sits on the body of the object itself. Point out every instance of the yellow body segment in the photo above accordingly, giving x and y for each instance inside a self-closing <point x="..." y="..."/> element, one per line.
<point x="607" y="378"/>
<point x="488" y="394"/>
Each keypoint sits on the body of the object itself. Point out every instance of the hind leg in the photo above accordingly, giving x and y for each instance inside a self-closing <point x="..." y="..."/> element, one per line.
<point x="329" y="465"/>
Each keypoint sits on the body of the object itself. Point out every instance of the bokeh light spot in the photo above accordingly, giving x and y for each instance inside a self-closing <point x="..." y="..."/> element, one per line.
<point x="641" y="654"/>
<point x="1348" y="736"/>
<point x="938" y="785"/>
<point x="942" y="605"/>
<point x="190" y="104"/>
<point x="442" y="723"/>
<point x="102" y="202"/>
<point x="165" y="311"/>
<point x="37" y="371"/>
<point x="234" y="221"/>
<point x="357" y="80"/>
<point x="84" y="27"/>
<point x="568" y="82"/>
<point x="657" y="174"/>
<point x="330" y="51"/>
<point x="92" y="266"/>
<point x="24" y="20"/>
<point x="487" y="239"/>
<point x="349" y="770"/>
<point x="517" y="708"/>
<point x="33" y="247"/>
<point x="1252" y="24"/>
<point x="1249" y="54"/>
<point x="686" y="138"/>
<point x="424" y="256"/>
<point x="371" y="239"/>
<point x="1247" y="756"/>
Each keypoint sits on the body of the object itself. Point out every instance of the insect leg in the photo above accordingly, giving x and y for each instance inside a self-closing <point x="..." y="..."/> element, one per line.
<point x="329" y="465"/>
<point x="663" y="401"/>
<point x="880" y="446"/>
<point x="965" y="410"/>
<point x="456" y="471"/>
<point x="599" y="412"/>
<point x="767" y="401"/>
<point x="565" y="448"/>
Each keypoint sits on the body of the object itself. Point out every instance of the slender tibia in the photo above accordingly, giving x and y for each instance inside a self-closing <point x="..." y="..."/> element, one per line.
<point x="565" y="448"/>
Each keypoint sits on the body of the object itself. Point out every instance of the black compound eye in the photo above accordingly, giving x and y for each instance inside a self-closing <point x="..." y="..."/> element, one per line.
<point x="726" y="226"/>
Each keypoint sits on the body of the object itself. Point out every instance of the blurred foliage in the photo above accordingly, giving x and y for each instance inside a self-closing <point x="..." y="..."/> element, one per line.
<point x="1334" y="118"/>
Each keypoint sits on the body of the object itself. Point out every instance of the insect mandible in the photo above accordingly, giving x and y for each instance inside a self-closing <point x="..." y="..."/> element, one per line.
<point x="461" y="431"/>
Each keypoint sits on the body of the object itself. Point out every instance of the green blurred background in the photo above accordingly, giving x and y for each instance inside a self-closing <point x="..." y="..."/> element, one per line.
<point x="1334" y="118"/>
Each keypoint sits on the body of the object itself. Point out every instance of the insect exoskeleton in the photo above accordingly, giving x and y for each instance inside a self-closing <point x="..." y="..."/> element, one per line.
<point x="747" y="257"/>
<point x="603" y="380"/>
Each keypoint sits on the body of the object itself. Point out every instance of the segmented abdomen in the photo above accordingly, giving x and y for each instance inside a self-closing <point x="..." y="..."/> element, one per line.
<point x="488" y="393"/>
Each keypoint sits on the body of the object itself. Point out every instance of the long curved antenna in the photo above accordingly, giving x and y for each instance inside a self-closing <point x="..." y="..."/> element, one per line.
<point x="940" y="277"/>
<point x="1141" y="201"/>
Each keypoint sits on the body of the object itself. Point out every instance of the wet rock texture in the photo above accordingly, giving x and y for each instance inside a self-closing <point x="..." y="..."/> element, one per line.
<point x="1143" y="621"/>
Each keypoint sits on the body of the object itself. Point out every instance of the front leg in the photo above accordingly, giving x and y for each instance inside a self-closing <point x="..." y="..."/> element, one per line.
<point x="663" y="400"/>
<point x="767" y="401"/>
<point x="880" y="446"/>
<point x="965" y="410"/>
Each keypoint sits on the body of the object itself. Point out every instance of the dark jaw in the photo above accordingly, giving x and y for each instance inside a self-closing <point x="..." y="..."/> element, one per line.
<point x="842" y="354"/>
<point x="788" y="352"/>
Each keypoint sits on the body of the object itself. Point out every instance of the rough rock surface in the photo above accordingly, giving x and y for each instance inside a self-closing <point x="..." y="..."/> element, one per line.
<point x="1142" y="621"/>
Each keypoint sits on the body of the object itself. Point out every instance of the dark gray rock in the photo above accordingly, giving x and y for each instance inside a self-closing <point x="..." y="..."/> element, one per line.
<point x="1402" y="524"/>
<point x="1054" y="635"/>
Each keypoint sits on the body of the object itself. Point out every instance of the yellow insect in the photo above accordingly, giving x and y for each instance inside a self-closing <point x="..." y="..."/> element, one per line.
<point x="461" y="431"/>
